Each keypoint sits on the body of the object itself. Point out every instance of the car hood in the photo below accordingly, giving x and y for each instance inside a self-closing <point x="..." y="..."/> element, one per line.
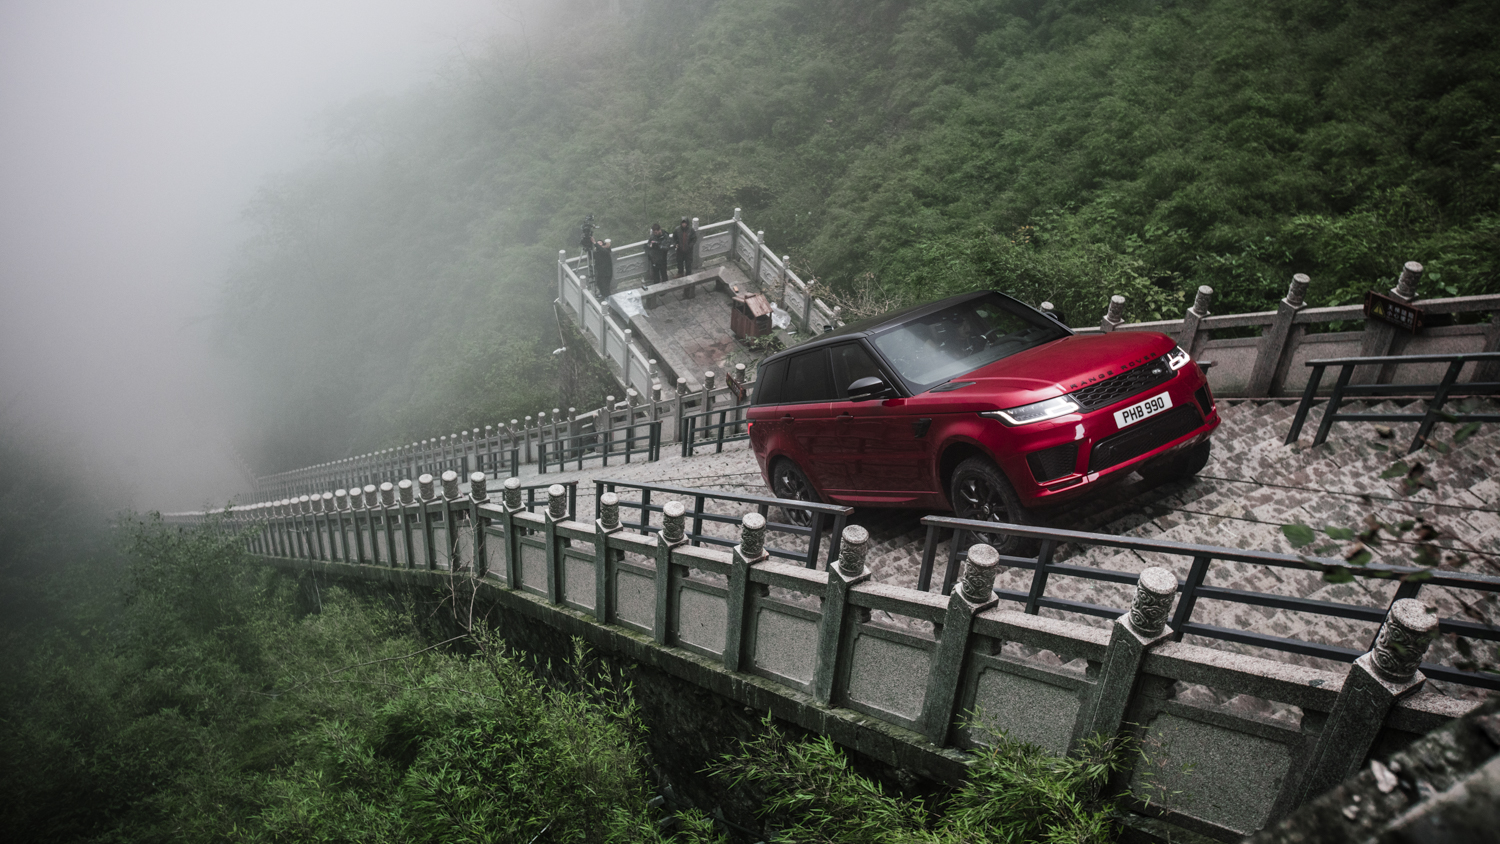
<point x="1062" y="366"/>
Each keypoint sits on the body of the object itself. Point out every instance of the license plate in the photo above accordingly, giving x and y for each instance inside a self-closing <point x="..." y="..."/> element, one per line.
<point x="1142" y="409"/>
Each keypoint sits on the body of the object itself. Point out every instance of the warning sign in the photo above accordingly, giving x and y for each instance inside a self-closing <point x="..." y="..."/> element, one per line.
<point x="1394" y="311"/>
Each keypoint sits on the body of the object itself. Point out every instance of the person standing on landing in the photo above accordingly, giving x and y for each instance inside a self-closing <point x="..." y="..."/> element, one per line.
<point x="656" y="253"/>
<point x="683" y="237"/>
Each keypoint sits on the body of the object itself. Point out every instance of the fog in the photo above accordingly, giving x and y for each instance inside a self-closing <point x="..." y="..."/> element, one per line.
<point x="133" y="134"/>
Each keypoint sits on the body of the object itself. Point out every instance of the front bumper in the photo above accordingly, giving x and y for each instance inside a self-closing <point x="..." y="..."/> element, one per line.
<point x="1052" y="462"/>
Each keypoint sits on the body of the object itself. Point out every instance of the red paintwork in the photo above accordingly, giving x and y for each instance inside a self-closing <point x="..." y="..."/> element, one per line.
<point x="866" y="453"/>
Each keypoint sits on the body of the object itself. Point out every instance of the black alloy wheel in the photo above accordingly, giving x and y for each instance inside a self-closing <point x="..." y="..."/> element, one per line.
<point x="788" y="481"/>
<point x="980" y="491"/>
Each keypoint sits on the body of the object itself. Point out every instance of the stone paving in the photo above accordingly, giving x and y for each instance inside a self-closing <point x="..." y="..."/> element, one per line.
<point x="1251" y="486"/>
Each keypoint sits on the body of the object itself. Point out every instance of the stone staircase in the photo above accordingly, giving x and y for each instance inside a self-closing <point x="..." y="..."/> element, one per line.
<point x="1251" y="487"/>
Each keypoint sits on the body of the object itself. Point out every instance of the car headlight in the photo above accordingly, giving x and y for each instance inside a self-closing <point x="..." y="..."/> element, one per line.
<point x="1177" y="358"/>
<point x="1036" y="412"/>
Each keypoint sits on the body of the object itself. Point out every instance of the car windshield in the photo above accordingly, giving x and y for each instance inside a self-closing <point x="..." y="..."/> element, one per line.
<point x="939" y="346"/>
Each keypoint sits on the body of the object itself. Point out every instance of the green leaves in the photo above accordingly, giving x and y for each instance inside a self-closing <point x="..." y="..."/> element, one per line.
<point x="1299" y="535"/>
<point x="1464" y="432"/>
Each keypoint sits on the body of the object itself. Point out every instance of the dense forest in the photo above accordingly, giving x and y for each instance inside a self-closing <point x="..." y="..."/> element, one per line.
<point x="400" y="287"/>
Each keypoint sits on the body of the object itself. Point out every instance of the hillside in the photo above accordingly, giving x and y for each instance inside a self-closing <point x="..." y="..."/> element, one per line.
<point x="898" y="150"/>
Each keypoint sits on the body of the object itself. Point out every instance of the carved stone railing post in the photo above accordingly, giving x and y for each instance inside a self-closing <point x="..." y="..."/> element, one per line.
<point x="1114" y="316"/>
<point x="326" y="548"/>
<point x="838" y="614"/>
<point x="404" y="491"/>
<point x="696" y="260"/>
<point x="760" y="242"/>
<point x="751" y="550"/>
<point x="1273" y="357"/>
<point x="452" y="506"/>
<point x="304" y="533"/>
<point x="372" y="512"/>
<point x="557" y="510"/>
<point x="479" y="494"/>
<point x="1132" y="635"/>
<point x="680" y="408"/>
<point x="360" y="522"/>
<point x="510" y="499"/>
<point x="705" y="403"/>
<point x="427" y="509"/>
<point x="336" y="525"/>
<point x="388" y="514"/>
<point x="607" y="523"/>
<point x="1383" y="338"/>
<point x="1375" y="682"/>
<point x="673" y="514"/>
<point x="1191" y="337"/>
<point x="974" y="593"/>
<point x="278" y="531"/>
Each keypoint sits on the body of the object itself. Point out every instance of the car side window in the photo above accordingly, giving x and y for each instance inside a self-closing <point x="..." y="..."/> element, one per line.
<point x="807" y="378"/>
<point x="769" y="382"/>
<point x="850" y="363"/>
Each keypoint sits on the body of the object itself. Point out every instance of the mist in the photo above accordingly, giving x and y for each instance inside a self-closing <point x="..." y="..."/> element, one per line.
<point x="135" y="133"/>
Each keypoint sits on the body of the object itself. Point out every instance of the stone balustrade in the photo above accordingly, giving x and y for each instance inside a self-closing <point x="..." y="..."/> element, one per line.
<point x="910" y="678"/>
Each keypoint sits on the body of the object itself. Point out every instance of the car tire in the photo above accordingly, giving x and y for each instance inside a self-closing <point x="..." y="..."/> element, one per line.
<point x="789" y="481"/>
<point x="1179" y="467"/>
<point x="979" y="490"/>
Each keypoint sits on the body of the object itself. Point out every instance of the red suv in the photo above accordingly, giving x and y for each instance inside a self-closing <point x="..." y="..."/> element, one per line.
<point x="977" y="404"/>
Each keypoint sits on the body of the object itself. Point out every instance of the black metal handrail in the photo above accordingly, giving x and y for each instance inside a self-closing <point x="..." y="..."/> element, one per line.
<point x="1436" y="395"/>
<point x="730" y="418"/>
<point x="814" y="531"/>
<point x="620" y="441"/>
<point x="1192" y="589"/>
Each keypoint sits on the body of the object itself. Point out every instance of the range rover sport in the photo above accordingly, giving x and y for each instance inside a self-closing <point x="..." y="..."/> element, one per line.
<point x="977" y="404"/>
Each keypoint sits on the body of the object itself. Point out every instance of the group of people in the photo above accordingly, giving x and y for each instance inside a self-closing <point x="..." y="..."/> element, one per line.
<point x="659" y="246"/>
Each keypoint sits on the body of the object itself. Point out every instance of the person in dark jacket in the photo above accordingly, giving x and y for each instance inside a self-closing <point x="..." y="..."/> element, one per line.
<point x="604" y="268"/>
<point x="656" y="253"/>
<point x="683" y="237"/>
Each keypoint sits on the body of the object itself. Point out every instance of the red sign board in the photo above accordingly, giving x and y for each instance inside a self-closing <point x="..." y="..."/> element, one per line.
<point x="1394" y="311"/>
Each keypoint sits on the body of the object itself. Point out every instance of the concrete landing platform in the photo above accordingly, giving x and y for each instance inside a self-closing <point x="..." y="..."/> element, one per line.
<point x="686" y="325"/>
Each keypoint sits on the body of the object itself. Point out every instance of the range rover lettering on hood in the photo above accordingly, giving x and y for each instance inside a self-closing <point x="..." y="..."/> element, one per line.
<point x="1109" y="373"/>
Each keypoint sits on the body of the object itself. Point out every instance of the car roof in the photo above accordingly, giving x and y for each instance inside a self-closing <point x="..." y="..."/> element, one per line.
<point x="871" y="325"/>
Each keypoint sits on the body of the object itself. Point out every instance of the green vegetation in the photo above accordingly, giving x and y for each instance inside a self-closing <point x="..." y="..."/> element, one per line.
<point x="1015" y="793"/>
<point x="193" y="702"/>
<point x="898" y="149"/>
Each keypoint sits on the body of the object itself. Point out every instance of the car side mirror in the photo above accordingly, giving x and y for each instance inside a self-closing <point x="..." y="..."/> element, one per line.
<point x="870" y="387"/>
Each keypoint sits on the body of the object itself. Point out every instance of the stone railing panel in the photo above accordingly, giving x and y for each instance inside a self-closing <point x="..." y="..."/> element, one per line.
<point x="784" y="641"/>
<point x="886" y="673"/>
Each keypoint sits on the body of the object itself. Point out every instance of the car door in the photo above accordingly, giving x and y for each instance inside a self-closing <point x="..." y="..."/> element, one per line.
<point x="806" y="412"/>
<point x="884" y="448"/>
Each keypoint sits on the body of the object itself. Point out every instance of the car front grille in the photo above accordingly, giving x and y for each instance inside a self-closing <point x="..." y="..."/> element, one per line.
<point x="1124" y="385"/>
<point x="1144" y="436"/>
<point x="1054" y="462"/>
